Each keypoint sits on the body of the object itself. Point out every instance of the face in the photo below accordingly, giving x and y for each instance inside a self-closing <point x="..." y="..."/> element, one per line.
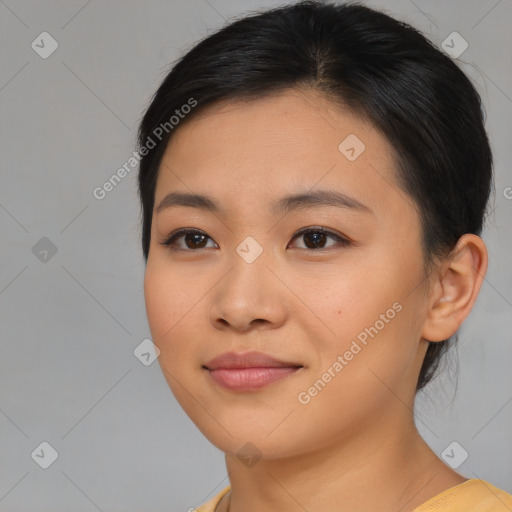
<point x="336" y="288"/>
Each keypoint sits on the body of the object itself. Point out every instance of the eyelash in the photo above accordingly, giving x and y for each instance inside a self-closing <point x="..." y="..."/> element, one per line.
<point x="169" y="242"/>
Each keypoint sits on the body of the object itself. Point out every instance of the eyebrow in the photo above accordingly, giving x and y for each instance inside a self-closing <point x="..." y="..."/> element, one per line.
<point x="284" y="205"/>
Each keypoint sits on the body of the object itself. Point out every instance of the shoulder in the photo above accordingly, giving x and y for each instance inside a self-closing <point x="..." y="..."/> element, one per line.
<point x="473" y="495"/>
<point x="212" y="503"/>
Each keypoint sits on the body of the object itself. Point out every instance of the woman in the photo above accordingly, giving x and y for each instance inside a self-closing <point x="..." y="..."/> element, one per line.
<point x="313" y="182"/>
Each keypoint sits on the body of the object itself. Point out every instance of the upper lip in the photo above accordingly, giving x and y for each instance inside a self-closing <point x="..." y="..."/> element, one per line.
<point x="247" y="360"/>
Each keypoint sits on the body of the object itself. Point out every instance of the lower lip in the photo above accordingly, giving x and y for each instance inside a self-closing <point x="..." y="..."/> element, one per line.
<point x="247" y="379"/>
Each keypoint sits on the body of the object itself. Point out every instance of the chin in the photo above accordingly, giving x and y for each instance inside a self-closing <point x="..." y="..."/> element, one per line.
<point x="250" y="440"/>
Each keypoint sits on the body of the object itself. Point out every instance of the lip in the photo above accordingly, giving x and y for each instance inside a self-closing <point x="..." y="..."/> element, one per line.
<point x="249" y="370"/>
<point x="247" y="360"/>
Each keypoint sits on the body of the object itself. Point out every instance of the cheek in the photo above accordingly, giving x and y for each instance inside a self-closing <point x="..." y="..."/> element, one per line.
<point x="167" y="305"/>
<point x="344" y="304"/>
<point x="158" y="307"/>
<point x="356" y="379"/>
<point x="170" y="312"/>
<point x="372" y="326"/>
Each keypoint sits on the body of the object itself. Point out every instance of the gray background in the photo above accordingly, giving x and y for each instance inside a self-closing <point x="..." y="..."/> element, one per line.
<point x="71" y="322"/>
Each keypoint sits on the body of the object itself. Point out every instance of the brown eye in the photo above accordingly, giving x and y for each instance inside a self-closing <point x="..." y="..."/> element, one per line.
<point x="193" y="239"/>
<point x="315" y="238"/>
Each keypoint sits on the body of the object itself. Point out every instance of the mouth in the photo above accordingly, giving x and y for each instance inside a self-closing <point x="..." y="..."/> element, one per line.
<point x="250" y="379"/>
<point x="249" y="371"/>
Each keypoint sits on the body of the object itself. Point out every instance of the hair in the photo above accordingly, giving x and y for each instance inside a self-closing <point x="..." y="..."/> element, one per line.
<point x="381" y="69"/>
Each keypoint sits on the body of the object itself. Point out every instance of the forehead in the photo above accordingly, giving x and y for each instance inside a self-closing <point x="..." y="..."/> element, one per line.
<point x="299" y="117"/>
<point x="294" y="140"/>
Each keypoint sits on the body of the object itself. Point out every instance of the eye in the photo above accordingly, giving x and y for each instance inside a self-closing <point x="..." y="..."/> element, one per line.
<point x="314" y="237"/>
<point x="194" y="239"/>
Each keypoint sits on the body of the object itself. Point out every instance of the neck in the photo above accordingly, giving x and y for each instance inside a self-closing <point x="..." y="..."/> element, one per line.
<point x="385" y="466"/>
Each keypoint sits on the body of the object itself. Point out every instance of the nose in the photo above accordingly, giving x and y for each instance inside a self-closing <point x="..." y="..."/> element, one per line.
<point x="249" y="297"/>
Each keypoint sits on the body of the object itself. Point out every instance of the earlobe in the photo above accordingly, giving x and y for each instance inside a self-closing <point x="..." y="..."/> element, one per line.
<point x="456" y="288"/>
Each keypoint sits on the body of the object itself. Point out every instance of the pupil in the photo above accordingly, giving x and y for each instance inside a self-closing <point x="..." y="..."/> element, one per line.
<point x="194" y="236"/>
<point x="317" y="238"/>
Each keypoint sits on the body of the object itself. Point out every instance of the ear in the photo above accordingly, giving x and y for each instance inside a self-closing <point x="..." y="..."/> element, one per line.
<point x="455" y="288"/>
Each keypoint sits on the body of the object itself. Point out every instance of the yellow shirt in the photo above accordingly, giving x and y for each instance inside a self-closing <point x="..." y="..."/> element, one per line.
<point x="473" y="495"/>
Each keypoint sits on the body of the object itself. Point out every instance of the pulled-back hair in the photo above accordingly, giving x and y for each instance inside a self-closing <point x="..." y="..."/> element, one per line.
<point x="383" y="70"/>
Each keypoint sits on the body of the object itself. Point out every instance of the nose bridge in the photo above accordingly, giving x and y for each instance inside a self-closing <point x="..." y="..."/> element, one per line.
<point x="248" y="264"/>
<point x="249" y="290"/>
<point x="250" y="250"/>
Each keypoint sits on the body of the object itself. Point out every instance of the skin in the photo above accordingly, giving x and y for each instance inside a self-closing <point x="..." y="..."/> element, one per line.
<point x="354" y="447"/>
